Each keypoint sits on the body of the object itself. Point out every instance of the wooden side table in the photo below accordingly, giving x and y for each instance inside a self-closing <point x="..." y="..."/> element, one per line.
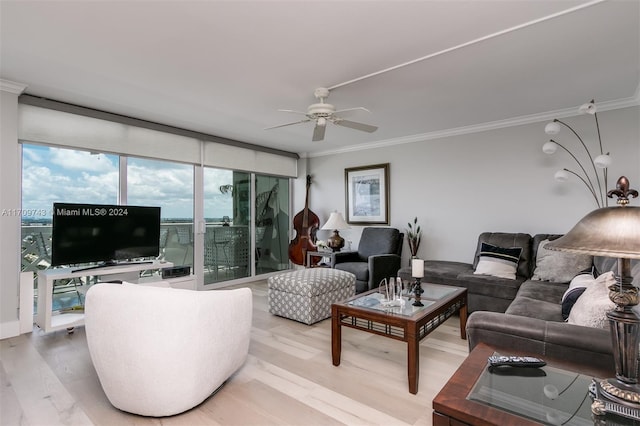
<point x="453" y="406"/>
<point x="320" y="254"/>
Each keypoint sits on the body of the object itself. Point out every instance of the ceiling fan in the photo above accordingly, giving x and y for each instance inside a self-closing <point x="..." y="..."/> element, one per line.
<point x="322" y="113"/>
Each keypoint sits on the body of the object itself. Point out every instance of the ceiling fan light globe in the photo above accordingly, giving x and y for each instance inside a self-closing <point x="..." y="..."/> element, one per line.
<point x="321" y="122"/>
<point x="550" y="147"/>
<point x="552" y="128"/>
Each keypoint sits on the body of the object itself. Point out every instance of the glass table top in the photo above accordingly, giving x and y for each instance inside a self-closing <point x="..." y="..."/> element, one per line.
<point x="377" y="301"/>
<point x="547" y="395"/>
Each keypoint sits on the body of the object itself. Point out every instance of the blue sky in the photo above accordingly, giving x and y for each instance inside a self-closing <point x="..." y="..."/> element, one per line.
<point x="65" y="175"/>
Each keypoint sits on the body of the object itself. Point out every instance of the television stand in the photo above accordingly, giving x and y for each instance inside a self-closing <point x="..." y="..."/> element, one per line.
<point x="112" y="263"/>
<point x="49" y="321"/>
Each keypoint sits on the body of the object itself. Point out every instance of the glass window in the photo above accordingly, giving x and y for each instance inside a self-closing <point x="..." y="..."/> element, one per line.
<point x="272" y="224"/>
<point x="227" y="241"/>
<point x="51" y="174"/>
<point x="168" y="185"/>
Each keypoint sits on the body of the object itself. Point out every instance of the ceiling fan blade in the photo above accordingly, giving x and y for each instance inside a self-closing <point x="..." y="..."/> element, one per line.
<point x="293" y="111"/>
<point x="353" y="109"/>
<point x="357" y="126"/>
<point x="288" y="124"/>
<point x="318" y="133"/>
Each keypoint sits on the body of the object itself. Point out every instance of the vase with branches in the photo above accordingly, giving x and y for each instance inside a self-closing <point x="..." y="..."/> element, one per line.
<point x="414" y="234"/>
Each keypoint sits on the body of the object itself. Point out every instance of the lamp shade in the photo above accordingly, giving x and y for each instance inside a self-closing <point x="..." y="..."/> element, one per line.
<point x="561" y="176"/>
<point x="602" y="161"/>
<point x="335" y="222"/>
<point x="609" y="231"/>
<point x="550" y="147"/>
<point x="552" y="128"/>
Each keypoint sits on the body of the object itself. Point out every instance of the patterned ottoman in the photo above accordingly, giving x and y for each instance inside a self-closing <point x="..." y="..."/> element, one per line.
<point x="306" y="295"/>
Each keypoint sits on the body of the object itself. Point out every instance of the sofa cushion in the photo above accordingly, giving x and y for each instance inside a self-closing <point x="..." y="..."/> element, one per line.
<point x="591" y="308"/>
<point x="577" y="286"/>
<point x="440" y="272"/>
<point x="487" y="285"/>
<point x="558" y="266"/>
<point x="359" y="269"/>
<point x="498" y="261"/>
<point x="535" y="244"/>
<point x="507" y="239"/>
<point x="538" y="299"/>
<point x="437" y="270"/>
<point x="535" y="308"/>
<point x="543" y="290"/>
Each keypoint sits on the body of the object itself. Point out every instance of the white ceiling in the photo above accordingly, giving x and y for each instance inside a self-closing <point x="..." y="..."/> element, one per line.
<point x="224" y="68"/>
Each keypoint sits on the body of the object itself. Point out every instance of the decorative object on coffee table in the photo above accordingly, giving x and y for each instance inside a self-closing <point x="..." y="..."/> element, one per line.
<point x="413" y="236"/>
<point x="594" y="181"/>
<point x="335" y="223"/>
<point x="615" y="232"/>
<point x="417" y="271"/>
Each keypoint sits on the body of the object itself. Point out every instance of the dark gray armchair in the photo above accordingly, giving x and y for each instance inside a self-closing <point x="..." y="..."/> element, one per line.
<point x="378" y="257"/>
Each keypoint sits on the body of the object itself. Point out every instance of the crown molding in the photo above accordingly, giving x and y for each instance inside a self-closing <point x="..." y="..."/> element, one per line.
<point x="12" y="87"/>
<point x="483" y="127"/>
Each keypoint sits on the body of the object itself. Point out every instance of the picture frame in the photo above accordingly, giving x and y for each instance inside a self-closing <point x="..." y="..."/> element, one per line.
<point x="367" y="194"/>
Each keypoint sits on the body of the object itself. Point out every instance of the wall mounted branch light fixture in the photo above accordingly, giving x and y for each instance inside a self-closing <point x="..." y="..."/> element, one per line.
<point x="596" y="182"/>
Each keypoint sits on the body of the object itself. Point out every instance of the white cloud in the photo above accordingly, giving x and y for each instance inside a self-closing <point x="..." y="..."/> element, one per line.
<point x="83" y="160"/>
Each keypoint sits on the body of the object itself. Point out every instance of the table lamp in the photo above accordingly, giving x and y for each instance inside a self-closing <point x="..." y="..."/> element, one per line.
<point x="614" y="232"/>
<point x="336" y="223"/>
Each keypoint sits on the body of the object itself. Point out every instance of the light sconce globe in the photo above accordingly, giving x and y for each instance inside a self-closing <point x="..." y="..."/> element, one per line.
<point x="550" y="147"/>
<point x="561" y="176"/>
<point x="552" y="128"/>
<point x="602" y="161"/>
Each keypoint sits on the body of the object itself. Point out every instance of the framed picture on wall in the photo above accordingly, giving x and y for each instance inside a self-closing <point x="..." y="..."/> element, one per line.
<point x="367" y="194"/>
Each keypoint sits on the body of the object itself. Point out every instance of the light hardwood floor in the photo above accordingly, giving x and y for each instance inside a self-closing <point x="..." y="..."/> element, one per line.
<point x="288" y="379"/>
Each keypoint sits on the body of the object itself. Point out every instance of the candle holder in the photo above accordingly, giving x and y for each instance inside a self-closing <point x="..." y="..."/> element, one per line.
<point x="417" y="291"/>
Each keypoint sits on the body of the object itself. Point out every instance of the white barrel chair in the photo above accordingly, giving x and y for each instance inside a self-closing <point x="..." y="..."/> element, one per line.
<point x="161" y="351"/>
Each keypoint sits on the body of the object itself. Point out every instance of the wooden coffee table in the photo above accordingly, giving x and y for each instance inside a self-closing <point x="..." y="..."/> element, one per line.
<point x="409" y="324"/>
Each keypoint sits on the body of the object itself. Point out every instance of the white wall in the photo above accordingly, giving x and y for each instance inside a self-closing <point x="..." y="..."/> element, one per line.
<point x="9" y="220"/>
<point x="498" y="180"/>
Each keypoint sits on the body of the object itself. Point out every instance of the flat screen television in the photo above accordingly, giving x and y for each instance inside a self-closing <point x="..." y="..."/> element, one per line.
<point x="109" y="234"/>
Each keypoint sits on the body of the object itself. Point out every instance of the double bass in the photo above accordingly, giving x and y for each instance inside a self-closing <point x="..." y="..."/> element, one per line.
<point x="306" y="224"/>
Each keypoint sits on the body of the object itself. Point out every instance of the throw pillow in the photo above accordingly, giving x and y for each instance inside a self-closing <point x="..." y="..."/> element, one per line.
<point x="591" y="308"/>
<point x="559" y="266"/>
<point x="577" y="286"/>
<point x="498" y="261"/>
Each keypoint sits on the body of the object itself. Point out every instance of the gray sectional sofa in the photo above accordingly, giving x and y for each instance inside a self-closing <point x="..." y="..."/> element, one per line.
<point x="485" y="293"/>
<point x="524" y="314"/>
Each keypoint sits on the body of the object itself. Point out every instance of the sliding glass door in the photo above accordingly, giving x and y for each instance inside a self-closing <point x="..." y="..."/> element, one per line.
<point x="272" y="223"/>
<point x="227" y="232"/>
